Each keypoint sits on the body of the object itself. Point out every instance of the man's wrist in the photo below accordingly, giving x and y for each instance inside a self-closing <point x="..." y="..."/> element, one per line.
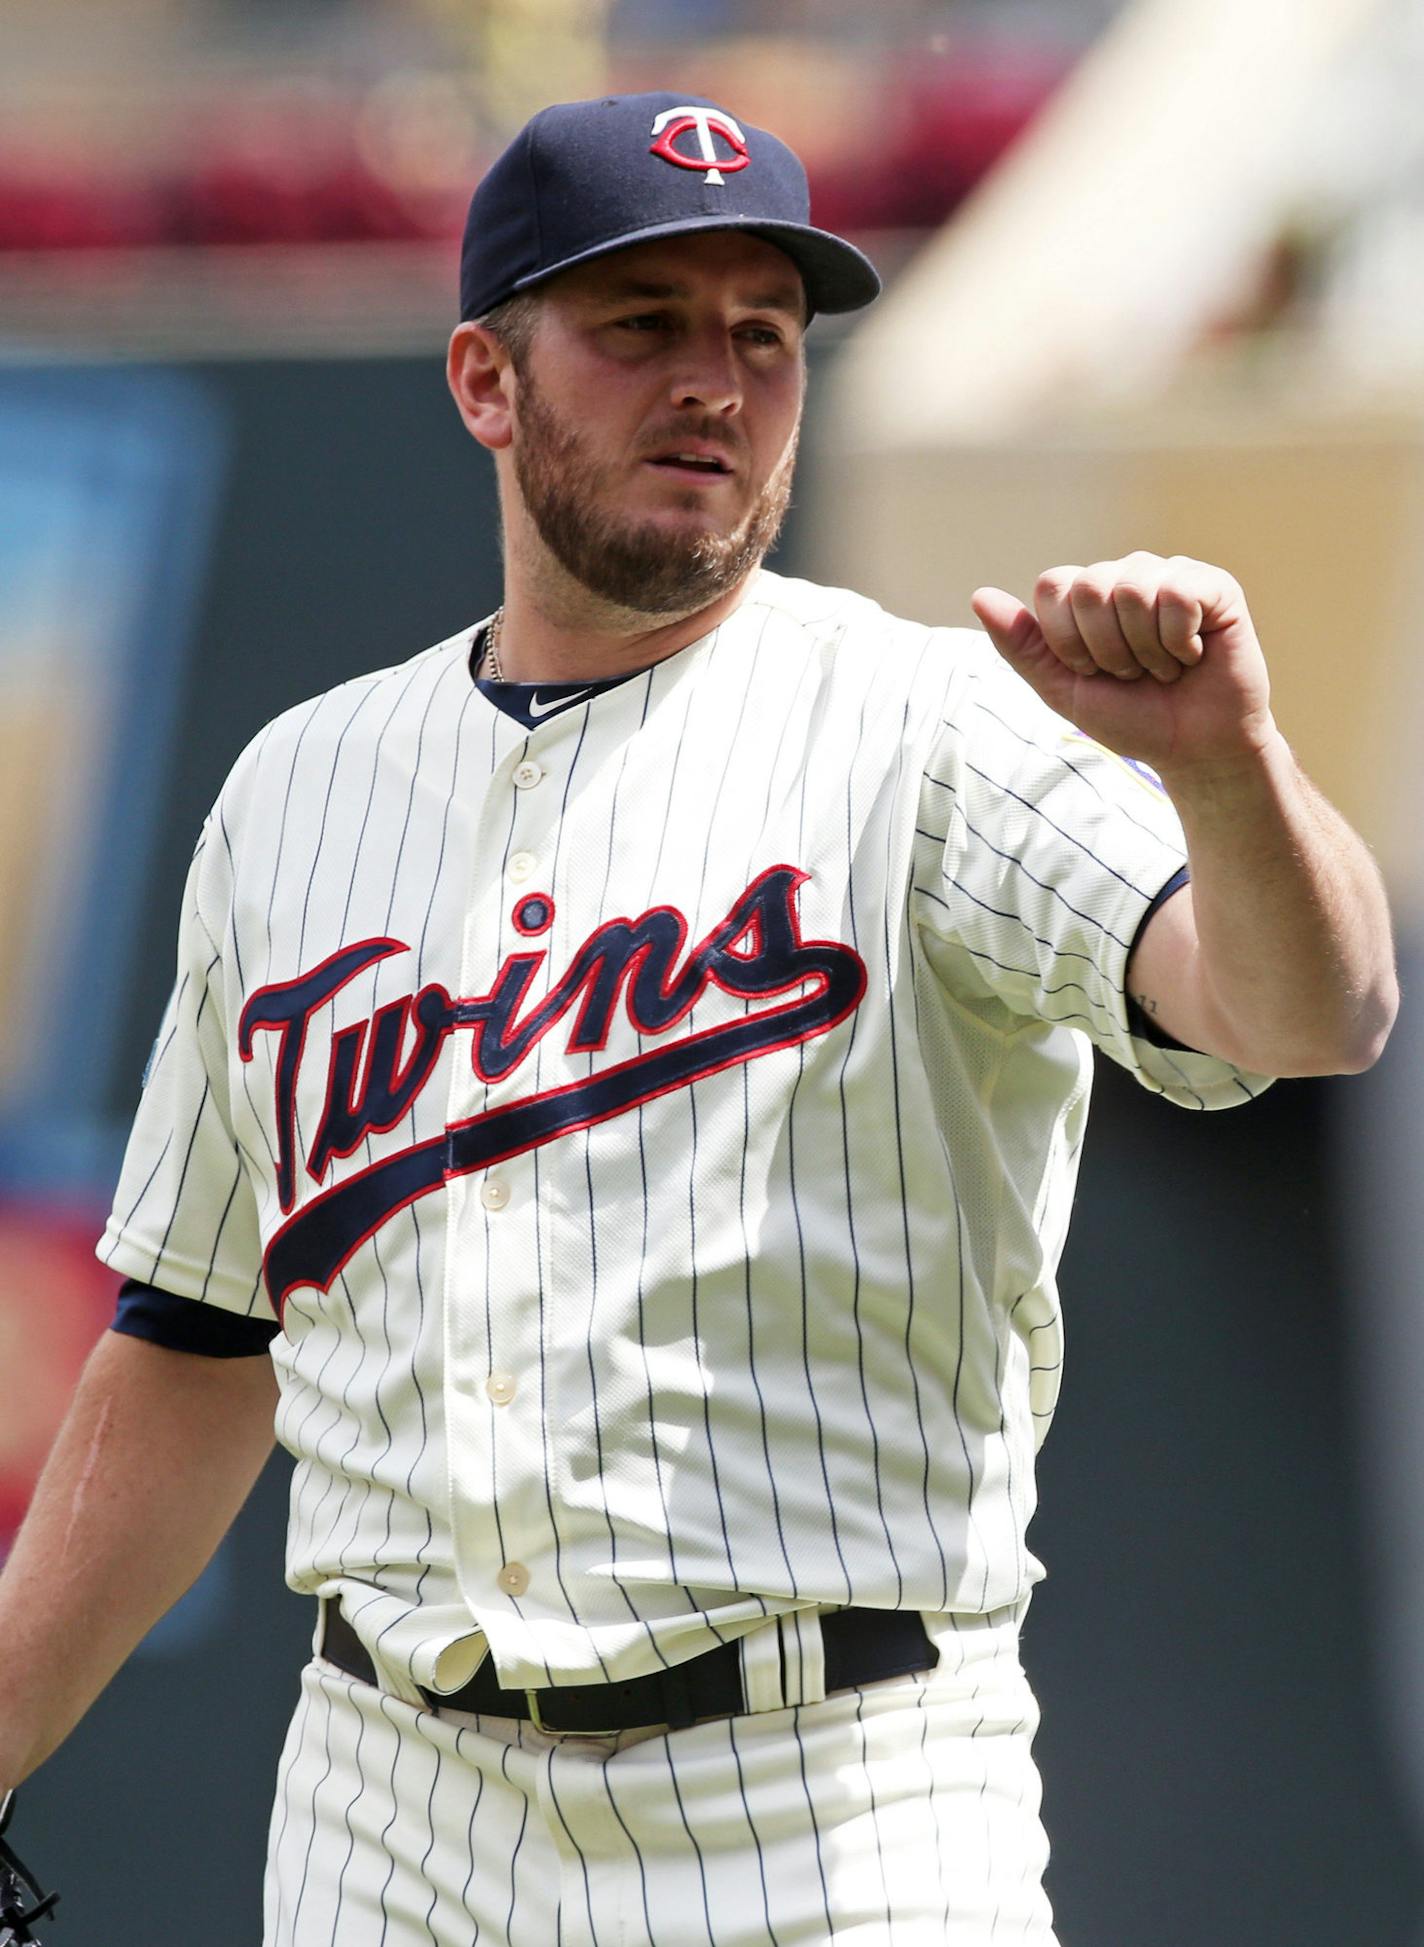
<point x="1234" y="777"/>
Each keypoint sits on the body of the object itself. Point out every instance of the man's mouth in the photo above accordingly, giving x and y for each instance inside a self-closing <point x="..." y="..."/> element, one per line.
<point x="689" y="464"/>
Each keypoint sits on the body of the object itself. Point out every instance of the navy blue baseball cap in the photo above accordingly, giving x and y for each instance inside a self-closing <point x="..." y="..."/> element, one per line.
<point x="587" y="177"/>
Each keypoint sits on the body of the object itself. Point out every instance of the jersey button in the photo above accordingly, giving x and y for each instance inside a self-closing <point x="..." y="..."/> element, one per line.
<point x="523" y="865"/>
<point x="494" y="1193"/>
<point x="501" y="1387"/>
<point x="527" y="775"/>
<point x="513" y="1578"/>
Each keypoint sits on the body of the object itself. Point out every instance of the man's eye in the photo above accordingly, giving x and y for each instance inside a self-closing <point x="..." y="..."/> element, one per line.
<point x="643" y="321"/>
<point x="762" y="334"/>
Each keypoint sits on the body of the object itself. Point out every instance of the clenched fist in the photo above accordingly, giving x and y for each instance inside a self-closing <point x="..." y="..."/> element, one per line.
<point x="1158" y="659"/>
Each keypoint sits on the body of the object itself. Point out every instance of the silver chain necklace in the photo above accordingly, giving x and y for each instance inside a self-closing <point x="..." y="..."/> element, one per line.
<point x="493" y="672"/>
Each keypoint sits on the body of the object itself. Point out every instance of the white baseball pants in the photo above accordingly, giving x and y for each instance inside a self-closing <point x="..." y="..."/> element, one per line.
<point x="902" y="1814"/>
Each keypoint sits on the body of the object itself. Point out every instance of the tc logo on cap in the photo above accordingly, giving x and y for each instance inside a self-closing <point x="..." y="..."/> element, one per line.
<point x="674" y="123"/>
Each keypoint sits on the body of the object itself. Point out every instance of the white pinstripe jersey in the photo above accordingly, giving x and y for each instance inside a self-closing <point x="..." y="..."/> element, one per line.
<point x="658" y="1128"/>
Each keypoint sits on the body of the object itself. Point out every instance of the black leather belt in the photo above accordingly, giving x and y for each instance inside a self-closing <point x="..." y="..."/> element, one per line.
<point x="859" y="1646"/>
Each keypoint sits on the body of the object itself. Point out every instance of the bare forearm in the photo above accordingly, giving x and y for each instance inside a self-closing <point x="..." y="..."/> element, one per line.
<point x="1291" y="970"/>
<point x="157" y="1454"/>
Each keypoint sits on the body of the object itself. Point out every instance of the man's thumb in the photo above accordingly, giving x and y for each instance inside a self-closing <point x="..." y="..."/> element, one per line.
<point x="1014" y="632"/>
<point x="1010" y="625"/>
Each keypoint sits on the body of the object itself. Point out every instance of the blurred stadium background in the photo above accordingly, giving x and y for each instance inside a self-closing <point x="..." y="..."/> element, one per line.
<point x="1156" y="279"/>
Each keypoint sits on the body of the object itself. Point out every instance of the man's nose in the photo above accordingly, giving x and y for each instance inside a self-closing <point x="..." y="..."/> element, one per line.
<point x="708" y="379"/>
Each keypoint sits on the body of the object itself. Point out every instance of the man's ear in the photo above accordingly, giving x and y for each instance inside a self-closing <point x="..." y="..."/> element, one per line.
<point x="481" y="380"/>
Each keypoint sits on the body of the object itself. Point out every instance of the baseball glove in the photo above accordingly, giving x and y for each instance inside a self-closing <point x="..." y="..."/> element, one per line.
<point x="21" y="1901"/>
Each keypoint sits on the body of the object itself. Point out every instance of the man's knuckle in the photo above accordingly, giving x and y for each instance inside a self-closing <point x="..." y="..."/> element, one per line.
<point x="1092" y="589"/>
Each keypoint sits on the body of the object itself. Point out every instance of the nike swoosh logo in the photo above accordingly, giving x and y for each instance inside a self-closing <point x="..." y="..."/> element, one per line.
<point x="538" y="709"/>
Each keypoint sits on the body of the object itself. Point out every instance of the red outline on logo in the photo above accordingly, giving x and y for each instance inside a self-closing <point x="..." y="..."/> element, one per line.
<point x="532" y="932"/>
<point x="807" y="986"/>
<point x="367" y="1034"/>
<point x="664" y="145"/>
<point x="817" y="984"/>
<point x="247" y="1029"/>
<point x="579" y="1041"/>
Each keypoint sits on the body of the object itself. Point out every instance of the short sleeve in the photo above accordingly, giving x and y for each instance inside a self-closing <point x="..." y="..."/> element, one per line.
<point x="1039" y="855"/>
<point x="184" y="1216"/>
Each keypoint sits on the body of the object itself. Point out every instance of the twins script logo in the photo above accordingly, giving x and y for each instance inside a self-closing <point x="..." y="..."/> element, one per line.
<point x="378" y="1067"/>
<point x="674" y="123"/>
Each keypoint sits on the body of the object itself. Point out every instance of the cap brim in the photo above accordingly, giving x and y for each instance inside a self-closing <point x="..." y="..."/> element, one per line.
<point x="837" y="276"/>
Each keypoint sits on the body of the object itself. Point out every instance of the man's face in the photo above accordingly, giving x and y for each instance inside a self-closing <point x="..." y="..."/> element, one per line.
<point x="656" y="417"/>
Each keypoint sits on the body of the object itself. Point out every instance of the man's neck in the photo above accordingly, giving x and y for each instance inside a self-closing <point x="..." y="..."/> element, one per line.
<point x="540" y="642"/>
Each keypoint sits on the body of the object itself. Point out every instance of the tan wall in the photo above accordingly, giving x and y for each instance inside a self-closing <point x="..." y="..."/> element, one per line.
<point x="47" y="735"/>
<point x="1321" y="520"/>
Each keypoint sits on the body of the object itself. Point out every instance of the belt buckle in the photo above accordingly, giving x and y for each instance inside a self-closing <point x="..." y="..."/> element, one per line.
<point x="536" y="1718"/>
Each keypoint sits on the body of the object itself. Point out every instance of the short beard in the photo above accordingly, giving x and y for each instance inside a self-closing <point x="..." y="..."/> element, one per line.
<point x="639" y="568"/>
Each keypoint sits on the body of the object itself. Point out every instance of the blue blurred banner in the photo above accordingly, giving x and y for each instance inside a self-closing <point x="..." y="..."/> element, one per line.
<point x="108" y="485"/>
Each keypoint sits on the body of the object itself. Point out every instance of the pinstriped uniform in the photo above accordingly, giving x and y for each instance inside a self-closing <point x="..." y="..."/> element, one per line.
<point x="905" y="1812"/>
<point x="656" y="1131"/>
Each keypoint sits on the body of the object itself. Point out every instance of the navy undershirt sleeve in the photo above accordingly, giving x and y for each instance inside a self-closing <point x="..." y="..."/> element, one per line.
<point x="1139" y="1021"/>
<point x="184" y="1325"/>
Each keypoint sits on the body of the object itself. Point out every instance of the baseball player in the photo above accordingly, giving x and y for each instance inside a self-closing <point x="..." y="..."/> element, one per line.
<point x="619" y="1106"/>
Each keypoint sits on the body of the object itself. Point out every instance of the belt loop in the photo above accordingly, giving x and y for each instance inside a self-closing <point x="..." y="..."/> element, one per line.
<point x="803" y="1656"/>
<point x="760" y="1651"/>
